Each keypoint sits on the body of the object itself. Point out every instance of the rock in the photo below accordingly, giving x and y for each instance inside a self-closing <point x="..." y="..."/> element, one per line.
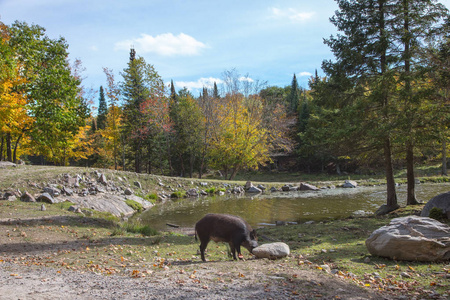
<point x="326" y="268"/>
<point x="54" y="192"/>
<point x="441" y="201"/>
<point x="72" y="208"/>
<point x="27" y="197"/>
<point x="307" y="187"/>
<point x="102" y="179"/>
<point x="309" y="222"/>
<point x="384" y="209"/>
<point x="280" y="223"/>
<point x="261" y="187"/>
<point x="46" y="197"/>
<point x="411" y="238"/>
<point x="192" y="193"/>
<point x="288" y="188"/>
<point x="272" y="250"/>
<point x="145" y="204"/>
<point x="203" y="193"/>
<point x="114" y="204"/>
<point x="128" y="191"/>
<point x="273" y="189"/>
<point x="67" y="191"/>
<point x="43" y="208"/>
<point x="350" y="184"/>
<point x="138" y="184"/>
<point x="237" y="190"/>
<point x="254" y="190"/>
<point x="248" y="185"/>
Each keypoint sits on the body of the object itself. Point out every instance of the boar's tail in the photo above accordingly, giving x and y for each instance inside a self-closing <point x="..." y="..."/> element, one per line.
<point x="195" y="235"/>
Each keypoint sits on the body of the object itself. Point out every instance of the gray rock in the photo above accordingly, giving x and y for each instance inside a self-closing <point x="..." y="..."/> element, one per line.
<point x="261" y="187"/>
<point x="27" y="197"/>
<point x="54" y="192"/>
<point x="46" y="197"/>
<point x="248" y="185"/>
<point x="72" y="208"/>
<point x="307" y="187"/>
<point x="145" y="204"/>
<point x="43" y="208"/>
<point x="350" y="184"/>
<point x="441" y="201"/>
<point x="128" y="191"/>
<point x="273" y="189"/>
<point x="411" y="238"/>
<point x="67" y="191"/>
<point x="272" y="250"/>
<point x="114" y="204"/>
<point x="192" y="193"/>
<point x="138" y="184"/>
<point x="254" y="190"/>
<point x="102" y="179"/>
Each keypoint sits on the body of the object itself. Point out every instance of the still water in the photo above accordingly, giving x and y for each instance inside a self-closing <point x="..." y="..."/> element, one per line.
<point x="298" y="206"/>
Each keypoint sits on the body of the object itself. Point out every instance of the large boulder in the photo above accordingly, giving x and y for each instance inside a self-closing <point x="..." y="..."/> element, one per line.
<point x="411" y="238"/>
<point x="350" y="184"/>
<point x="307" y="187"/>
<point x="441" y="201"/>
<point x="272" y="250"/>
<point x="254" y="190"/>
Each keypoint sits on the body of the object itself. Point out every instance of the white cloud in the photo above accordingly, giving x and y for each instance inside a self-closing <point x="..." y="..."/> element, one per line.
<point x="165" y="44"/>
<point x="244" y="78"/>
<point x="291" y="14"/>
<point x="303" y="74"/>
<point x="199" y="84"/>
<point x="93" y="48"/>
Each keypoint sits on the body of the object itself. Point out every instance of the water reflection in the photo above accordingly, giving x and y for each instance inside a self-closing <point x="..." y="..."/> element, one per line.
<point x="283" y="206"/>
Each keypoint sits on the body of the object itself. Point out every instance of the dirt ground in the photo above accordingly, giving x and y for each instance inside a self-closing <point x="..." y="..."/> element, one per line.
<point x="29" y="269"/>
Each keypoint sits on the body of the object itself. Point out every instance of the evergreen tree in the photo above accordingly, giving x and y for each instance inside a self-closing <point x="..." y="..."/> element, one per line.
<point x="102" y="110"/>
<point x="215" y="91"/>
<point x="414" y="23"/>
<point x="141" y="85"/>
<point x="294" y="94"/>
<point x="361" y="81"/>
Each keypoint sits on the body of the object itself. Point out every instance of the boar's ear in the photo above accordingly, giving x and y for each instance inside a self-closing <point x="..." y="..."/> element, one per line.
<point x="253" y="234"/>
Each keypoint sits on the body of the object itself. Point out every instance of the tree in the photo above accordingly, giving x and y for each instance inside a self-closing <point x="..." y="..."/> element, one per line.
<point x="112" y="132"/>
<point x="141" y="83"/>
<point x="415" y="23"/>
<point x="294" y="94"/>
<point x="102" y="109"/>
<point x="188" y="127"/>
<point x="363" y="66"/>
<point x="55" y="102"/>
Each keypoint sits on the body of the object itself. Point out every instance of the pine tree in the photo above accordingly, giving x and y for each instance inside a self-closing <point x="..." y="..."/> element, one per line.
<point x="293" y="97"/>
<point x="102" y="109"/>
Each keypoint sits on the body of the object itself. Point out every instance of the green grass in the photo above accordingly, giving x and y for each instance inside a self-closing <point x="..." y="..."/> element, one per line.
<point x="134" y="205"/>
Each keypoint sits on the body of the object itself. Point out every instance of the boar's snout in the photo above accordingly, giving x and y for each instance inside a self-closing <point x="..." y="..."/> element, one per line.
<point x="253" y="245"/>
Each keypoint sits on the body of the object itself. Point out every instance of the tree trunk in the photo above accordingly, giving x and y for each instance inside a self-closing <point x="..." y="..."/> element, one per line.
<point x="1" y="148"/>
<point x="444" y="156"/>
<point x="15" y="149"/>
<point x="390" y="182"/>
<point x="411" y="194"/>
<point x="191" y="164"/>
<point x="8" y="147"/>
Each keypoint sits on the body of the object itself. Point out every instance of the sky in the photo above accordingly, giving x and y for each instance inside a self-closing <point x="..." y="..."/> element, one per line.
<point x="192" y="42"/>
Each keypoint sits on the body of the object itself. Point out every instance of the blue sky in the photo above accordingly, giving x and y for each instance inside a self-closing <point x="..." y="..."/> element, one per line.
<point x="190" y="42"/>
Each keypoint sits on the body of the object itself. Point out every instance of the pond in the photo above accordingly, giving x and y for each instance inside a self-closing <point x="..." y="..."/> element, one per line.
<point x="269" y="207"/>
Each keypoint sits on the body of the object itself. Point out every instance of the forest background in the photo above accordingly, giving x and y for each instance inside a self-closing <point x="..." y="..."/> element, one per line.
<point x="383" y="105"/>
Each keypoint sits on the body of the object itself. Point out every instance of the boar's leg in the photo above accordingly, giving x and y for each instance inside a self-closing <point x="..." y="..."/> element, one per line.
<point x="203" y="245"/>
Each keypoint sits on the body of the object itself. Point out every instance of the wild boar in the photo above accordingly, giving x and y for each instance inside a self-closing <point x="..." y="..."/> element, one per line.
<point x="225" y="228"/>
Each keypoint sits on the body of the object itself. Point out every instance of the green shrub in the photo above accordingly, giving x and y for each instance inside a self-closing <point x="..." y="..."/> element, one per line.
<point x="211" y="190"/>
<point x="436" y="213"/>
<point x="151" y="197"/>
<point x="136" y="226"/>
<point x="177" y="194"/>
<point x="134" y="205"/>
